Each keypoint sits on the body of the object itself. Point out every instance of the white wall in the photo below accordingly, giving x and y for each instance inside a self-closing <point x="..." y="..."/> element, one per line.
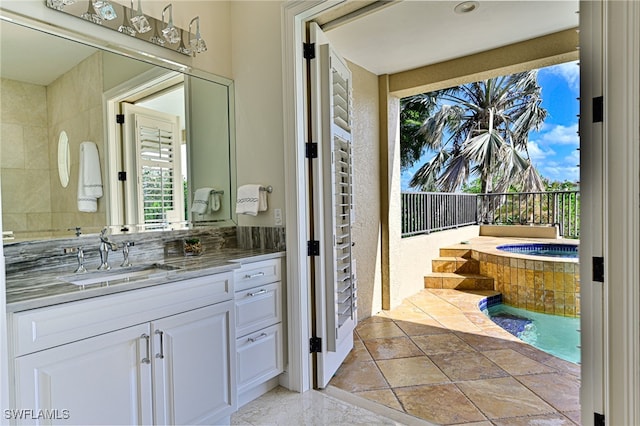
<point x="256" y="48"/>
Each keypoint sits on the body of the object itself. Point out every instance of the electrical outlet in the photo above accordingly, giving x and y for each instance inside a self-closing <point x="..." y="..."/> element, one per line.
<point x="277" y="216"/>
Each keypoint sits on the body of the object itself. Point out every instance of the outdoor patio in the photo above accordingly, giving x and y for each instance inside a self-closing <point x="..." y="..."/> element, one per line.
<point x="439" y="358"/>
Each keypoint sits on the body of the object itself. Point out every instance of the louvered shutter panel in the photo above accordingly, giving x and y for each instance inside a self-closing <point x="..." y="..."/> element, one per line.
<point x="157" y="179"/>
<point x="337" y="145"/>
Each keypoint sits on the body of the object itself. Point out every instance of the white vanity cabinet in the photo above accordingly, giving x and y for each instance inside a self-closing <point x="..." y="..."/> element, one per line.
<point x="161" y="355"/>
<point x="259" y="331"/>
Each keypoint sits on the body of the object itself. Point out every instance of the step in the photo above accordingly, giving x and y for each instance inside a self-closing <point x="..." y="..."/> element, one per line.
<point x="459" y="250"/>
<point x="455" y="264"/>
<point x="458" y="281"/>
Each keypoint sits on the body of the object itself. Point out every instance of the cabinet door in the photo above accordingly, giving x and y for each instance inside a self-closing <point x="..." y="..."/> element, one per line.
<point x="193" y="366"/>
<point x="101" y="380"/>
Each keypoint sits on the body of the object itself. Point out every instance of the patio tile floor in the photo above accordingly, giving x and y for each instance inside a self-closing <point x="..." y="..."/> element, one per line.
<point x="438" y="358"/>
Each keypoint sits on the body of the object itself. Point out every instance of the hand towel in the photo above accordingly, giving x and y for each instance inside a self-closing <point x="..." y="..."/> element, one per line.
<point x="200" y="203"/>
<point x="89" y="178"/>
<point x="250" y="200"/>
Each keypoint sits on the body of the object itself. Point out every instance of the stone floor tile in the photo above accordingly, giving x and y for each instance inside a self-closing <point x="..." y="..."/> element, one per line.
<point x="467" y="366"/>
<point x="359" y="353"/>
<point x="560" y="390"/>
<point x="546" y="420"/>
<point x="504" y="397"/>
<point x="414" y="371"/>
<point x="359" y="376"/>
<point x="376" y="330"/>
<point x="395" y="347"/>
<point x="458" y="323"/>
<point x="442" y="404"/>
<point x="441" y="343"/>
<point x="421" y="327"/>
<point x="385" y="397"/>
<point x="516" y="363"/>
<point x="574" y="416"/>
<point x="480" y="342"/>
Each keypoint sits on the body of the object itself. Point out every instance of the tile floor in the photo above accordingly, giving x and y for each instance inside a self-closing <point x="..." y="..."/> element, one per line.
<point x="438" y="358"/>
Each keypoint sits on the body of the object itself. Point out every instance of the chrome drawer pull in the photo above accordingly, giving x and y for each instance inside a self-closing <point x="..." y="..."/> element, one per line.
<point x="146" y="359"/>
<point x="256" y="293"/>
<point x="257" y="274"/>
<point x="255" y="339"/>
<point x="161" y="334"/>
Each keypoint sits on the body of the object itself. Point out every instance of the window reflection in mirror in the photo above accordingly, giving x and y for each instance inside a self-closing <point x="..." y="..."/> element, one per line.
<point x="36" y="106"/>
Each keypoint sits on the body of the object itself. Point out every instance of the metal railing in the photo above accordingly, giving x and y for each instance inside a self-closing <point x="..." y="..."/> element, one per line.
<point x="561" y="208"/>
<point x="425" y="212"/>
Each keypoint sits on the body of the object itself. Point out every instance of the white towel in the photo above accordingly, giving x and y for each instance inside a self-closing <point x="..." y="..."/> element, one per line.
<point x="200" y="203"/>
<point x="251" y="200"/>
<point x="215" y="201"/>
<point x="89" y="178"/>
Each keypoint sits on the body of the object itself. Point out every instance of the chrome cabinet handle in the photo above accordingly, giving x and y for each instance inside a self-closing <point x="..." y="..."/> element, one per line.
<point x="256" y="293"/>
<point x="255" y="339"/>
<point x="257" y="274"/>
<point x="161" y="354"/>
<point x="146" y="359"/>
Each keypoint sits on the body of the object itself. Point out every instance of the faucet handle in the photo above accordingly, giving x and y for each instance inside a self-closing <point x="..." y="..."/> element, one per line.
<point x="79" y="256"/>
<point x="125" y="253"/>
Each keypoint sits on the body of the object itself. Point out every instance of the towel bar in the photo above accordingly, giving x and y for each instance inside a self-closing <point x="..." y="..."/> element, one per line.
<point x="216" y="191"/>
<point x="268" y="189"/>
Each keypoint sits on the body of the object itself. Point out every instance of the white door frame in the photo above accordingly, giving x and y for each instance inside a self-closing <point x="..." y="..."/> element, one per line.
<point x="294" y="16"/>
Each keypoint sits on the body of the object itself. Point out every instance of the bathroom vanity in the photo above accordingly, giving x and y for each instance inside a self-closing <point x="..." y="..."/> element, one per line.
<point x="185" y="347"/>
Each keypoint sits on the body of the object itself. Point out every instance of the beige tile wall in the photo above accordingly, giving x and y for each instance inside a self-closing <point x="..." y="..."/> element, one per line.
<point x="540" y="286"/>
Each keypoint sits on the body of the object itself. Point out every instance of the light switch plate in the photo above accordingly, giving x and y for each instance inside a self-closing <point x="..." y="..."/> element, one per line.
<point x="277" y="216"/>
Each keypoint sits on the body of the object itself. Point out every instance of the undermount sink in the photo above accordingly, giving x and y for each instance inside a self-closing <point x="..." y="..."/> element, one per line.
<point x="134" y="273"/>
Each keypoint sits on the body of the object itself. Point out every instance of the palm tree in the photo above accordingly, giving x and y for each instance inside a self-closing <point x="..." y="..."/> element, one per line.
<point x="479" y="129"/>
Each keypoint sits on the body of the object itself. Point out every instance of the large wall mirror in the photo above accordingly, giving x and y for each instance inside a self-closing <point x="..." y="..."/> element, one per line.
<point x="163" y="138"/>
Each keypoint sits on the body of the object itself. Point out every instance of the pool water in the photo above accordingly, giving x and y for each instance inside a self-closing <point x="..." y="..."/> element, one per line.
<point x="538" y="249"/>
<point x="556" y="335"/>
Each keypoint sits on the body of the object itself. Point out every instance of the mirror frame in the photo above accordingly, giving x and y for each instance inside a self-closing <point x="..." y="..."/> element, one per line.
<point x="152" y="59"/>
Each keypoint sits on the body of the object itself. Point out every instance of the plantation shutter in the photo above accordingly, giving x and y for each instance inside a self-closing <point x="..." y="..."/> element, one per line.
<point x="156" y="148"/>
<point x="335" y="289"/>
<point x="341" y="280"/>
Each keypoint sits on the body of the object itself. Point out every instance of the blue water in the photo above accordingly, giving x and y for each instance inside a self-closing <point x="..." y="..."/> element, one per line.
<point x="556" y="335"/>
<point x="538" y="249"/>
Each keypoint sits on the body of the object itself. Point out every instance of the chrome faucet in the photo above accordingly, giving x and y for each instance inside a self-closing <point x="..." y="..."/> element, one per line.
<point x="125" y="254"/>
<point x="105" y="245"/>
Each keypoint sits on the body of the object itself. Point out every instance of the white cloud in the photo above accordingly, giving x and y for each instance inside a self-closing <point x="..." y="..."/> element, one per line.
<point x="538" y="153"/>
<point x="566" y="169"/>
<point x="569" y="71"/>
<point x="557" y="134"/>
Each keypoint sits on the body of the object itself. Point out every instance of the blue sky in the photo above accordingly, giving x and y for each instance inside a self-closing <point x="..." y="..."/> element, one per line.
<point x="553" y="148"/>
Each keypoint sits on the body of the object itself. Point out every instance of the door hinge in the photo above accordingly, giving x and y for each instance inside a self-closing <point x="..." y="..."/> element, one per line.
<point x="311" y="150"/>
<point x="313" y="248"/>
<point x="315" y="345"/>
<point x="598" y="419"/>
<point x="122" y="176"/>
<point x="598" y="109"/>
<point x="598" y="269"/>
<point x="120" y="118"/>
<point x="309" y="50"/>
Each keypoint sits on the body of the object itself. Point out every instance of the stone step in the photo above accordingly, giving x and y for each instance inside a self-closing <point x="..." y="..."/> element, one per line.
<point x="455" y="264"/>
<point x="458" y="281"/>
<point x="459" y="250"/>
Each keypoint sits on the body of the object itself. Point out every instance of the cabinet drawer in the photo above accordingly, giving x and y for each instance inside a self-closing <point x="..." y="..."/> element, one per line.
<point x="259" y="357"/>
<point x="257" y="273"/>
<point x="258" y="307"/>
<point x="56" y="325"/>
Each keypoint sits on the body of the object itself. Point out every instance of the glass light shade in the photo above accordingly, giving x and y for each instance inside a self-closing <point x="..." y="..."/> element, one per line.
<point x="105" y="10"/>
<point x="140" y="23"/>
<point x="198" y="45"/>
<point x="171" y="34"/>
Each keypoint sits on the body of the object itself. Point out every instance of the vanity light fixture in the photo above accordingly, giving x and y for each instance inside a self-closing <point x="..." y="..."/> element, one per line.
<point x="197" y="44"/>
<point x="105" y="9"/>
<point x="170" y="32"/>
<point x="59" y="4"/>
<point x="125" y="28"/>
<point x="138" y="20"/>
<point x="91" y="16"/>
<point x="182" y="48"/>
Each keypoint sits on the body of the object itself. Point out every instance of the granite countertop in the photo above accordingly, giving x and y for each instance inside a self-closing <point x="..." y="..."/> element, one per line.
<point x="41" y="288"/>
